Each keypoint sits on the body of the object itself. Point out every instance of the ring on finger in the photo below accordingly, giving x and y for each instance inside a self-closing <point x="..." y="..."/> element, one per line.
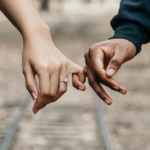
<point x="65" y="80"/>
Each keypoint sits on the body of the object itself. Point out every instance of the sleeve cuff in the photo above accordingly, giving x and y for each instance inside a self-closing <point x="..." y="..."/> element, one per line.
<point x="131" y="32"/>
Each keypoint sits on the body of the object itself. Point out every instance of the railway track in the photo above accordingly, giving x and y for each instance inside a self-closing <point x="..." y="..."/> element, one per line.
<point x="12" y="130"/>
<point x="73" y="123"/>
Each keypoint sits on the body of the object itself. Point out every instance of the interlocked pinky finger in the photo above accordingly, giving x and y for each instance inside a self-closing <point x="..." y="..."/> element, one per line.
<point x="77" y="83"/>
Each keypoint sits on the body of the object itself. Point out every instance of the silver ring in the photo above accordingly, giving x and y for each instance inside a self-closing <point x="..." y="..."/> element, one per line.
<point x="65" y="80"/>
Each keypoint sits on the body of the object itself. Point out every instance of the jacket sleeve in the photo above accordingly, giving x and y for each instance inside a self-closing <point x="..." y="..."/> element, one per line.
<point x="133" y="22"/>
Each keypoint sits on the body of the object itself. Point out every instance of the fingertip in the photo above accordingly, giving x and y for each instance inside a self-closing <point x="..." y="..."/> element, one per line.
<point x="36" y="107"/>
<point x="77" y="83"/>
<point x="34" y="96"/>
<point x="108" y="101"/>
<point x="122" y="90"/>
<point x="36" y="111"/>
<point x="82" y="88"/>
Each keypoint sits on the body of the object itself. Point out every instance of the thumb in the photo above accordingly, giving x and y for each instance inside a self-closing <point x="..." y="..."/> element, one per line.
<point x="114" y="64"/>
<point x="30" y="82"/>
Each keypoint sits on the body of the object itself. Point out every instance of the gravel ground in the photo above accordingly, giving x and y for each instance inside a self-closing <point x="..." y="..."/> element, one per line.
<point x="128" y="117"/>
<point x="68" y="124"/>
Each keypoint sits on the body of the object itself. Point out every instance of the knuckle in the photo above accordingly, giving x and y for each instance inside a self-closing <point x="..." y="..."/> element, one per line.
<point x="52" y="94"/>
<point x="45" y="93"/>
<point x="82" y="70"/>
<point x="57" y="65"/>
<point x="54" y="100"/>
<point x="90" y="82"/>
<point x="75" y="83"/>
<point x="62" y="91"/>
<point x="29" y="86"/>
<point x="116" y="62"/>
<point x="93" y="47"/>
<point x="92" y="50"/>
<point x="85" y="55"/>
<point x="64" y="62"/>
<point x="44" y="66"/>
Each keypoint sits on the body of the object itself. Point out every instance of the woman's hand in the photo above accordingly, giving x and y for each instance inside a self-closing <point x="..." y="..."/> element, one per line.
<point x="41" y="57"/>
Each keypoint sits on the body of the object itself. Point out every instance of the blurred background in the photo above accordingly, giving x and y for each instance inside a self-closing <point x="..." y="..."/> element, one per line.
<point x="71" y="123"/>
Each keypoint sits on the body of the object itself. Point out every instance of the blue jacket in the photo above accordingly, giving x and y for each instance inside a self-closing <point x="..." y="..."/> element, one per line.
<point x="133" y="22"/>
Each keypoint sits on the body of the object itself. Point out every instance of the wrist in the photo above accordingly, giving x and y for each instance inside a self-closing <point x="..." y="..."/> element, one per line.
<point x="128" y="45"/>
<point x="41" y="30"/>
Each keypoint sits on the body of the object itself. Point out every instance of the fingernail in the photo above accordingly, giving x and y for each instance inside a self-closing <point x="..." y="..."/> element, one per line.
<point x="80" y="88"/>
<point x="111" y="72"/>
<point x="35" y="112"/>
<point x="122" y="91"/>
<point x="107" y="101"/>
<point x="115" y="87"/>
<point x="33" y="95"/>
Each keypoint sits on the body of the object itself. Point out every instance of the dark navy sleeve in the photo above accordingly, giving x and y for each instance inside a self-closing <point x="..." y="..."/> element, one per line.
<point x="133" y="22"/>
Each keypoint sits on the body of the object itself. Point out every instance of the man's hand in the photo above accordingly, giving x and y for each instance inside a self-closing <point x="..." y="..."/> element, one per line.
<point x="103" y="60"/>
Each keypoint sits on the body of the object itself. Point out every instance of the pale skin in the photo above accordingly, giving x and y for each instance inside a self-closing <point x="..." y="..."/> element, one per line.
<point x="103" y="61"/>
<point x="40" y="56"/>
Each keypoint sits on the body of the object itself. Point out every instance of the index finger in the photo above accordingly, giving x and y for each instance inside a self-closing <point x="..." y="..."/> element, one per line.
<point x="96" y="65"/>
<point x="98" y="88"/>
